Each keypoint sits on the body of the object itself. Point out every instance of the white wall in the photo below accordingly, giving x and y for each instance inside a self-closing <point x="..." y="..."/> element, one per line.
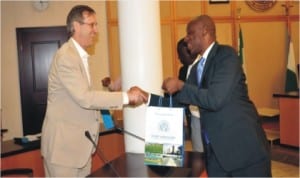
<point x="22" y="14"/>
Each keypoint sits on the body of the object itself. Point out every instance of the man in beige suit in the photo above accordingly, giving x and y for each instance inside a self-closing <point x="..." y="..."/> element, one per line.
<point x="72" y="104"/>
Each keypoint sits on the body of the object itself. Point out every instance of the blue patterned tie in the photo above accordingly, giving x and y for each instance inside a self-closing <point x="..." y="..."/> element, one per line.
<point x="200" y="67"/>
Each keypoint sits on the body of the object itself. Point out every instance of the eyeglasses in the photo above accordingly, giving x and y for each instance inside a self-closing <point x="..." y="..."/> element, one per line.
<point x="92" y="25"/>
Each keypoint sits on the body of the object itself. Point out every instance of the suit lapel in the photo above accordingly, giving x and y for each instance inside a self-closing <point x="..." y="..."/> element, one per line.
<point x="79" y="61"/>
<point x="192" y="78"/>
<point x="193" y="74"/>
<point x="209" y="60"/>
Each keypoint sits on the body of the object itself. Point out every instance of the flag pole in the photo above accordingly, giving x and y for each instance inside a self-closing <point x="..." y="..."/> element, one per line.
<point x="287" y="7"/>
<point x="291" y="79"/>
<point x="240" y="42"/>
<point x="238" y="23"/>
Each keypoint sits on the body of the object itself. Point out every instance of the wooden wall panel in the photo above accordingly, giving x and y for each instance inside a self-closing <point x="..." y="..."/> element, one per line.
<point x="114" y="54"/>
<point x="194" y="9"/>
<point x="112" y="10"/>
<point x="295" y="9"/>
<point x="218" y="10"/>
<point x="181" y="32"/>
<point x="224" y="33"/>
<point x="166" y="9"/>
<point x="265" y="60"/>
<point x="167" y="54"/>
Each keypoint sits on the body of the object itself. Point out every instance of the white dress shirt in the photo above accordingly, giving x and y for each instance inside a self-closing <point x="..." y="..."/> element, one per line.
<point x="85" y="57"/>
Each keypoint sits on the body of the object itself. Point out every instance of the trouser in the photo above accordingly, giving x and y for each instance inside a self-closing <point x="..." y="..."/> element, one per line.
<point x="54" y="170"/>
<point x="214" y="168"/>
<point x="196" y="134"/>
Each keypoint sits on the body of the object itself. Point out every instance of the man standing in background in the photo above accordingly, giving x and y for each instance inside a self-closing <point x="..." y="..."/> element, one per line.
<point x="188" y="60"/>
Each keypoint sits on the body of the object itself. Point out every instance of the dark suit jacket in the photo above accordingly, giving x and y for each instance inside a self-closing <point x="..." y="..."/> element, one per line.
<point x="182" y="72"/>
<point x="227" y="114"/>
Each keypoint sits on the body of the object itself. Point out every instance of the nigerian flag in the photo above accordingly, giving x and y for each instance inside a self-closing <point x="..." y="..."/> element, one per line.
<point x="291" y="83"/>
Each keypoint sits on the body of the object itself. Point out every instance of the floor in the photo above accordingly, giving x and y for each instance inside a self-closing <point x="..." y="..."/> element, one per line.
<point x="285" y="160"/>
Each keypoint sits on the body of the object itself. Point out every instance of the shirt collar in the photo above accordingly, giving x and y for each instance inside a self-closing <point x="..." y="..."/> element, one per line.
<point x="83" y="54"/>
<point x="196" y="60"/>
<point x="205" y="54"/>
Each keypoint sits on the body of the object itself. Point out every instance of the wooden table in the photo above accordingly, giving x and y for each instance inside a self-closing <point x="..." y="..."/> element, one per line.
<point x="132" y="165"/>
<point x="289" y="119"/>
<point x="15" y="156"/>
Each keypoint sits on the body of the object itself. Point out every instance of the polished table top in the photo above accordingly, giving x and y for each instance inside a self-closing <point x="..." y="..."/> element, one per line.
<point x="132" y="165"/>
<point x="11" y="147"/>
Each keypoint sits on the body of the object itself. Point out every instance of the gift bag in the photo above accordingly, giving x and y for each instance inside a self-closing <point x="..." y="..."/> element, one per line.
<point x="164" y="138"/>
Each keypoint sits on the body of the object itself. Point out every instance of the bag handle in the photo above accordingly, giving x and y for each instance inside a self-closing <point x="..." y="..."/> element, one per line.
<point x="170" y="103"/>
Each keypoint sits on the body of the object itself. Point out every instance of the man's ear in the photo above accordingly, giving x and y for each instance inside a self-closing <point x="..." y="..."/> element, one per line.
<point x="76" y="25"/>
<point x="204" y="31"/>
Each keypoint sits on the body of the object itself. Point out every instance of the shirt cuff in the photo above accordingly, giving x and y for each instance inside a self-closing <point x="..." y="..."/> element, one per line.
<point x="149" y="98"/>
<point x="125" y="98"/>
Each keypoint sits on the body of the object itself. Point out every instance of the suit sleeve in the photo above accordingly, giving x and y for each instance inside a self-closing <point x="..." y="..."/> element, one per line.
<point x="71" y="75"/>
<point x="219" y="81"/>
<point x="165" y="101"/>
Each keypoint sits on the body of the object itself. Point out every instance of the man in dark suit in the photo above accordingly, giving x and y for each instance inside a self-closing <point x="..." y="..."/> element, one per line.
<point x="235" y="143"/>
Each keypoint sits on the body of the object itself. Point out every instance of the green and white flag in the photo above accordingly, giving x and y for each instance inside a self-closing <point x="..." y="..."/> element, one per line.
<point x="291" y="81"/>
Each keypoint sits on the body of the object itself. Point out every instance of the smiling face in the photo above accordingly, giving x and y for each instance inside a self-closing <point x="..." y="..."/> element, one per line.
<point x="200" y="34"/>
<point x="85" y="31"/>
<point x="195" y="38"/>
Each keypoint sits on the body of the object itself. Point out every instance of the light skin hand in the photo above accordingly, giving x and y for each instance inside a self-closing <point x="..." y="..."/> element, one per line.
<point x="137" y="96"/>
<point x="172" y="85"/>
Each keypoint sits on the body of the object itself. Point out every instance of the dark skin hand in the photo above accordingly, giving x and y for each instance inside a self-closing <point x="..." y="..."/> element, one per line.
<point x="172" y="85"/>
<point x="106" y="81"/>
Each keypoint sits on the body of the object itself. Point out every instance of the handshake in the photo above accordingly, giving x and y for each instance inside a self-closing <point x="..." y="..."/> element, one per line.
<point x="137" y="96"/>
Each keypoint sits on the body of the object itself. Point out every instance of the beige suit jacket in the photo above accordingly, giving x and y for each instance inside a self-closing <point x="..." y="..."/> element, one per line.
<point x="71" y="110"/>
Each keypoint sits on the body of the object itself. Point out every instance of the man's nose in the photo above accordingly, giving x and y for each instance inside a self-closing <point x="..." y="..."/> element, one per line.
<point x="186" y="39"/>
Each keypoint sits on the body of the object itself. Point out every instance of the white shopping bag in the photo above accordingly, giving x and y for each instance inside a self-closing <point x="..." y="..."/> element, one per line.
<point x="164" y="138"/>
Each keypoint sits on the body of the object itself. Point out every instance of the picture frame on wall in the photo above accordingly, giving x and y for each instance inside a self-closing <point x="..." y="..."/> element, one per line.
<point x="218" y="1"/>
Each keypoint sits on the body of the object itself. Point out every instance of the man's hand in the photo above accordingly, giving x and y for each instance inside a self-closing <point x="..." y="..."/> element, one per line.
<point x="112" y="85"/>
<point x="172" y="85"/>
<point x="106" y="81"/>
<point x="137" y="96"/>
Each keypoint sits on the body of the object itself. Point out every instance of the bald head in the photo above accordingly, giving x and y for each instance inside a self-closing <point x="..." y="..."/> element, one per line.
<point x="208" y="24"/>
<point x="201" y="32"/>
